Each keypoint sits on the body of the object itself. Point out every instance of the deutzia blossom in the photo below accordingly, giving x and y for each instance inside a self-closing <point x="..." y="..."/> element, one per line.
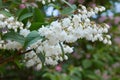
<point x="69" y="30"/>
<point x="10" y="23"/>
<point x="32" y="59"/>
<point x="12" y="45"/>
<point x="7" y="24"/>
<point x="24" y="32"/>
<point x="57" y="34"/>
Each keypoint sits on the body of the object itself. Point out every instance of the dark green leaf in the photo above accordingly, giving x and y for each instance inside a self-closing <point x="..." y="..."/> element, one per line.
<point x="6" y="13"/>
<point x="86" y="63"/>
<point x="68" y="10"/>
<point x="63" y="53"/>
<point x="36" y="25"/>
<point x="38" y="16"/>
<point x="98" y="63"/>
<point x="32" y="38"/>
<point x="42" y="57"/>
<point x="32" y="35"/>
<point x="17" y="62"/>
<point x="14" y="36"/>
<point x="49" y="75"/>
<point x="21" y="12"/>
<point x="16" y="1"/>
<point x="25" y="16"/>
<point x="76" y="72"/>
<point x="0" y="3"/>
<point x="94" y="77"/>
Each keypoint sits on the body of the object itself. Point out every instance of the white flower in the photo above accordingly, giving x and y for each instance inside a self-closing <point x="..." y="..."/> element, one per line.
<point x="65" y="57"/>
<point x="105" y="41"/>
<point x="10" y="23"/>
<point x="32" y="59"/>
<point x="66" y="22"/>
<point x="109" y="42"/>
<point x="10" y="19"/>
<point x="12" y="45"/>
<point x="30" y="63"/>
<point x="24" y="32"/>
<point x="2" y="16"/>
<point x="38" y="67"/>
<point x="50" y="61"/>
<point x="56" y="13"/>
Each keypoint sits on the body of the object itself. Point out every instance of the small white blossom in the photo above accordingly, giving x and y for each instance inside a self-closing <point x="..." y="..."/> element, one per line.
<point x="24" y="32"/>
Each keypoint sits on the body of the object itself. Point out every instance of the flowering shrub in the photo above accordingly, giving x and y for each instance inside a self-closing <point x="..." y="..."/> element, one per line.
<point x="41" y="42"/>
<point x="73" y="38"/>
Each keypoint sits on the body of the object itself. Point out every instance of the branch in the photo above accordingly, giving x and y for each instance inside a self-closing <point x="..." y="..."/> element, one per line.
<point x="11" y="58"/>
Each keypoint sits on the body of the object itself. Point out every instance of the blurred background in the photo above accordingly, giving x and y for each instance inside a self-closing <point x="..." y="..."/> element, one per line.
<point x="89" y="61"/>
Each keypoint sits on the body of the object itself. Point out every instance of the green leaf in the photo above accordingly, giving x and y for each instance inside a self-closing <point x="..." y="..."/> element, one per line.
<point x="63" y="53"/>
<point x="21" y="12"/>
<point x="98" y="63"/>
<point x="68" y="10"/>
<point x="38" y="16"/>
<point x="94" y="77"/>
<point x="76" y="72"/>
<point x="86" y="63"/>
<point x="32" y="35"/>
<point x="18" y="2"/>
<point x="32" y="38"/>
<point x="5" y="13"/>
<point x="0" y="3"/>
<point x="71" y="6"/>
<point x="73" y="77"/>
<point x="36" y="25"/>
<point x="50" y="76"/>
<point x="14" y="36"/>
<point x="42" y="57"/>
<point x="17" y="62"/>
<point x="25" y="16"/>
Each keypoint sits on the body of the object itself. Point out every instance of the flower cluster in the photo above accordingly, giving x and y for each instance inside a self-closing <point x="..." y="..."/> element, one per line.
<point x="69" y="30"/>
<point x="7" y="24"/>
<point x="32" y="59"/>
<point x="10" y="23"/>
<point x="57" y="34"/>
<point x="27" y="3"/>
<point x="45" y="1"/>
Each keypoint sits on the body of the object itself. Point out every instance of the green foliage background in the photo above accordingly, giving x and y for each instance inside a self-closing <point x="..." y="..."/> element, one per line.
<point x="89" y="61"/>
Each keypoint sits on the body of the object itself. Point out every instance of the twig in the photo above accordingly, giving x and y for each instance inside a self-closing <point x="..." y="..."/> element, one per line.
<point x="3" y="61"/>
